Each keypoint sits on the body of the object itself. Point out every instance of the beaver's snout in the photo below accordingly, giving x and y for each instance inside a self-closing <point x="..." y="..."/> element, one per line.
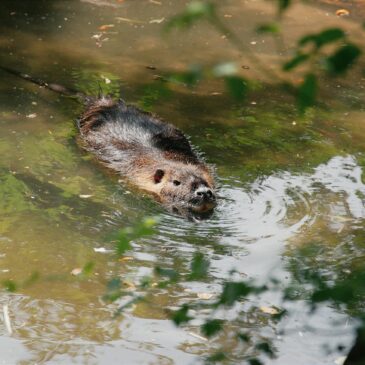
<point x="204" y="193"/>
<point x="204" y="199"/>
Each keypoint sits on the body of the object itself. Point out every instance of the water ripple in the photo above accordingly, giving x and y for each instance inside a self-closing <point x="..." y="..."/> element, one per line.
<point x="278" y="206"/>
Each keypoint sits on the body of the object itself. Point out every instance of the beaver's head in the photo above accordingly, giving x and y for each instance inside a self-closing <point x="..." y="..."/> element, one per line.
<point x="190" y="186"/>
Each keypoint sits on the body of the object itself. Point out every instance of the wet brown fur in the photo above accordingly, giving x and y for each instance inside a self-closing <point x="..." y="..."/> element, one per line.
<point x="138" y="144"/>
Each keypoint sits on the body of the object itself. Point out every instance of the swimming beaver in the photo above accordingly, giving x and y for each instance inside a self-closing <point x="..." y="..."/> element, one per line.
<point x="150" y="153"/>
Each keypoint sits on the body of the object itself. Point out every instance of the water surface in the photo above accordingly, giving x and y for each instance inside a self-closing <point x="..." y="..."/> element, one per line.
<point x="284" y="183"/>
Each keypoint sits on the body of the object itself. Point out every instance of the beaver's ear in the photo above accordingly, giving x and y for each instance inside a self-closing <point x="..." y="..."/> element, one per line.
<point x="159" y="174"/>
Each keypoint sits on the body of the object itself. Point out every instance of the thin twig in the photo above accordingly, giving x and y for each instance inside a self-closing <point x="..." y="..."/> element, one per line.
<point x="7" y="319"/>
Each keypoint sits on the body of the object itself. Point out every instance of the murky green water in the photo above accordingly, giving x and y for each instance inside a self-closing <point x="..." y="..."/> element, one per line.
<point x="284" y="182"/>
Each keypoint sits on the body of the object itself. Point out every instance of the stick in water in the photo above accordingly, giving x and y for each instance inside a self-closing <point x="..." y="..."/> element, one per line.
<point x="7" y="319"/>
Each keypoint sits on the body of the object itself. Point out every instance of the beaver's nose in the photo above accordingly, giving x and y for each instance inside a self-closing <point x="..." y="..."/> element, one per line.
<point x="204" y="193"/>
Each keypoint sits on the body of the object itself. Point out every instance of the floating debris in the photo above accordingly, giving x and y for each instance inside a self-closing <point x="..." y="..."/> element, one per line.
<point x="342" y="12"/>
<point x="126" y="258"/>
<point x="106" y="80"/>
<point x="156" y="21"/>
<point x="132" y="21"/>
<point x="7" y="319"/>
<point x="205" y="296"/>
<point x="198" y="336"/>
<point x="102" y="250"/>
<point x="76" y="272"/>
<point x="129" y="285"/>
<point x="269" y="310"/>
<point x="101" y="3"/>
<point x="105" y="27"/>
<point x="97" y="36"/>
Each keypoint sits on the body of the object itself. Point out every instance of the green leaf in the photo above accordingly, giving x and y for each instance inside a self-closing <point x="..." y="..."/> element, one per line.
<point x="244" y="337"/>
<point x="189" y="78"/>
<point x="194" y="11"/>
<point x="10" y="285"/>
<point x="343" y="58"/>
<point x="181" y="315"/>
<point x="266" y="348"/>
<point x="153" y="94"/>
<point x="307" y="92"/>
<point x="31" y="280"/>
<point x="255" y="361"/>
<point x="320" y="39"/>
<point x="283" y="5"/>
<point x="122" y="245"/>
<point x="88" y="268"/>
<point x="237" y="86"/>
<point x="233" y="291"/>
<point x="211" y="327"/>
<point x="273" y="28"/>
<point x="307" y="39"/>
<point x="296" y="61"/>
<point x="128" y="234"/>
<point x="217" y="357"/>
<point x="199" y="267"/>
<point x="113" y="290"/>
<point x="169" y="273"/>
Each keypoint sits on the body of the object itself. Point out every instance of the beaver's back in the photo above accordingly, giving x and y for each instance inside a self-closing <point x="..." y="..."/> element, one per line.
<point x="116" y="132"/>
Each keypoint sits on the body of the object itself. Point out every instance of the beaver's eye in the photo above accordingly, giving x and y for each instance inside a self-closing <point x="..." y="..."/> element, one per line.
<point x="176" y="182"/>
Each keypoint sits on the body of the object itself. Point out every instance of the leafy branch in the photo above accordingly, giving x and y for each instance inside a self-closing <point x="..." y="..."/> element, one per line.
<point x="311" y="51"/>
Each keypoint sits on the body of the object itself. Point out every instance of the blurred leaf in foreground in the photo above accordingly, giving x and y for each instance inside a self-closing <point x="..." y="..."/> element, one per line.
<point x="212" y="327"/>
<point x="237" y="86"/>
<point x="193" y="12"/>
<point x="307" y="92"/>
<point x="343" y="58"/>
<point x="141" y="229"/>
<point x="181" y="315"/>
<point x="320" y="39"/>
<point x="199" y="267"/>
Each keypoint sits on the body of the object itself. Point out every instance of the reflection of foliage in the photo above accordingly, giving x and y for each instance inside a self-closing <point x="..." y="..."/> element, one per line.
<point x="291" y="143"/>
<point x="344" y="290"/>
<point x="14" y="199"/>
<point x="268" y="133"/>
<point x="96" y="83"/>
<point x="23" y="193"/>
<point x="45" y="153"/>
<point x="152" y="94"/>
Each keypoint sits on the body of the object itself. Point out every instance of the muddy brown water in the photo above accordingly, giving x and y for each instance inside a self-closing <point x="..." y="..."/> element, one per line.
<point x="284" y="182"/>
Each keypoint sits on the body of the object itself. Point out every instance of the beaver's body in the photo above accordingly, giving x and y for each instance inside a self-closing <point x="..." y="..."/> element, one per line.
<point x="150" y="153"/>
